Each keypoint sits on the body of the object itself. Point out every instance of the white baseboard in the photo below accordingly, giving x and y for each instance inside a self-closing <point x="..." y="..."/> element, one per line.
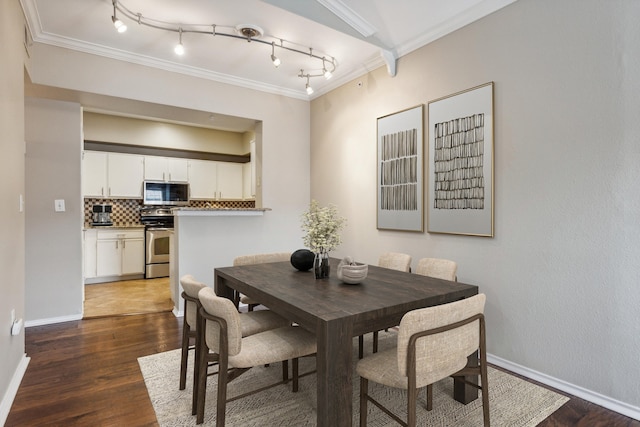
<point x="588" y="395"/>
<point x="52" y="320"/>
<point x="12" y="390"/>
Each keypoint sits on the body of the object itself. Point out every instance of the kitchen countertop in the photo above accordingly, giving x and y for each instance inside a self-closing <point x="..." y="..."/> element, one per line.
<point x="185" y="211"/>
<point x="129" y="226"/>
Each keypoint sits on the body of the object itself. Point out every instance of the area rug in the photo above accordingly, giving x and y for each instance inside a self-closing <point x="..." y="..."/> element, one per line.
<point x="513" y="402"/>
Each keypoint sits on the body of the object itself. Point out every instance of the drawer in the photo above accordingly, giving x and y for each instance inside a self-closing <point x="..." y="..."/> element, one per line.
<point x="121" y="233"/>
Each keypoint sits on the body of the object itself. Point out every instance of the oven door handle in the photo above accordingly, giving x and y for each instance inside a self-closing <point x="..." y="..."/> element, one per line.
<point x="159" y="229"/>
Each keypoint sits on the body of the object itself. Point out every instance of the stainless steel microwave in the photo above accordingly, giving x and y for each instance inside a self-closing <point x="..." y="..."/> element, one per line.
<point x="165" y="193"/>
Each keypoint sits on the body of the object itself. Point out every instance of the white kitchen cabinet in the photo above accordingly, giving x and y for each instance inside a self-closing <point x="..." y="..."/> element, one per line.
<point x="213" y="180"/>
<point x="113" y="252"/>
<point x="125" y="173"/>
<point x="229" y="181"/>
<point x="203" y="179"/>
<point x="166" y="169"/>
<point x="89" y="246"/>
<point x="94" y="174"/>
<point x="112" y="175"/>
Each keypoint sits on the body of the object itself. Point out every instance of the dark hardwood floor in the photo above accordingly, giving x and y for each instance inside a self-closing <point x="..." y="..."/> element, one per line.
<point x="86" y="373"/>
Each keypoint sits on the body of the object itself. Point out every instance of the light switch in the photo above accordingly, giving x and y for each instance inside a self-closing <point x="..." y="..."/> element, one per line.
<point x="59" y="203"/>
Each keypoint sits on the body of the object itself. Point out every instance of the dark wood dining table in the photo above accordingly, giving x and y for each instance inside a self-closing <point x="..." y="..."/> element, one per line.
<point x="336" y="312"/>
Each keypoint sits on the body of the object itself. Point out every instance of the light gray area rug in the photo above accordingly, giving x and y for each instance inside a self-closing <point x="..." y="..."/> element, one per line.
<point x="513" y="402"/>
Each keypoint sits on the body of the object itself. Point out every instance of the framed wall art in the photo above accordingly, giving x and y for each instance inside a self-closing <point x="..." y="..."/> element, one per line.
<point x="400" y="170"/>
<point x="460" y="165"/>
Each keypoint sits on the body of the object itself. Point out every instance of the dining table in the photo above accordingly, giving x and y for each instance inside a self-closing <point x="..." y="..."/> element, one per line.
<point x="337" y="312"/>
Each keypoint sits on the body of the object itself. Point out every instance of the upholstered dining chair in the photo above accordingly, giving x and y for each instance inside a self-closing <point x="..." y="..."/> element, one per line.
<point x="221" y="341"/>
<point x="433" y="343"/>
<point x="250" y="323"/>
<point x="258" y="259"/>
<point x="438" y="268"/>
<point x="394" y="261"/>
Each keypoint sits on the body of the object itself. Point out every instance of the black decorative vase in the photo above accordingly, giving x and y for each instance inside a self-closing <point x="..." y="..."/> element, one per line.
<point x="302" y="259"/>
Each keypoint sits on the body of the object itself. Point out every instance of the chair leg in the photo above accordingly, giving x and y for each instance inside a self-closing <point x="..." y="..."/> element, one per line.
<point x="364" y="384"/>
<point x="285" y="371"/>
<point x="294" y="369"/>
<point x="412" y="400"/>
<point x="360" y="346"/>
<point x="429" y="397"/>
<point x="184" y="356"/>
<point x="223" y="376"/>
<point x="375" y="342"/>
<point x="485" y="393"/>
<point x="200" y="390"/>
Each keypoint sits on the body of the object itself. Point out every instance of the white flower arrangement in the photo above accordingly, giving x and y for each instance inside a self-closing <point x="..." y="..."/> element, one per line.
<point x="322" y="226"/>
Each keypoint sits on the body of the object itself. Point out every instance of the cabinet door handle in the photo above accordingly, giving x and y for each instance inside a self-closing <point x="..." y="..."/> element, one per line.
<point x="164" y="178"/>
<point x="102" y="191"/>
<point x="124" y="244"/>
<point x="116" y="244"/>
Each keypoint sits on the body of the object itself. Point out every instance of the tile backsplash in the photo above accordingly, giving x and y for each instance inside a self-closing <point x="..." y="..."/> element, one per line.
<point x="127" y="211"/>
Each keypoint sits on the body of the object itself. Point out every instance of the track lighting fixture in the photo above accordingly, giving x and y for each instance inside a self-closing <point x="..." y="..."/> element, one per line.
<point x="276" y="61"/>
<point x="179" y="49"/>
<point x="326" y="73"/>
<point x="116" y="22"/>
<point x="307" y="86"/>
<point x="242" y="32"/>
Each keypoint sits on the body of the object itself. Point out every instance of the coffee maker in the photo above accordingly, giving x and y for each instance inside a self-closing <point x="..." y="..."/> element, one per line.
<point x="102" y="215"/>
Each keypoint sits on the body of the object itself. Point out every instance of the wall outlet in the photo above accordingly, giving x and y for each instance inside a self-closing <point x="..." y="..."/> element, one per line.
<point x="59" y="205"/>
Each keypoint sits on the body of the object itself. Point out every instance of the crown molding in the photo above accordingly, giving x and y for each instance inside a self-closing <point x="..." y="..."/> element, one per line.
<point x="355" y="21"/>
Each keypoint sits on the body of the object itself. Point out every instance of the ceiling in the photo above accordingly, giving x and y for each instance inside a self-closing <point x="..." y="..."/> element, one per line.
<point x="361" y="35"/>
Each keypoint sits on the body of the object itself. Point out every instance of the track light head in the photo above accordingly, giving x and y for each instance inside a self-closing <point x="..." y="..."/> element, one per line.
<point x="179" y="49"/>
<point x="327" y="74"/>
<point x="120" y="26"/>
<point x="308" y="87"/>
<point x="116" y="22"/>
<point x="276" y="61"/>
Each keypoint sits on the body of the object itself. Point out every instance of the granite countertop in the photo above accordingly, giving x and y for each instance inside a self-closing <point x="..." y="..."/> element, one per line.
<point x="186" y="208"/>
<point x="187" y="211"/>
<point x="129" y="225"/>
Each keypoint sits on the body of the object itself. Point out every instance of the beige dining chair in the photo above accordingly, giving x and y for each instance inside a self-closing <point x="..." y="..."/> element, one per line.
<point x="438" y="268"/>
<point x="250" y="323"/>
<point x="433" y="343"/>
<point x="394" y="261"/>
<point x="258" y="259"/>
<point x="221" y="341"/>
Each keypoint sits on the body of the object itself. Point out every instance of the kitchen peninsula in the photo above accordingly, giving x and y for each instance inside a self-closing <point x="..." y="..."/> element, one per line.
<point x="206" y="238"/>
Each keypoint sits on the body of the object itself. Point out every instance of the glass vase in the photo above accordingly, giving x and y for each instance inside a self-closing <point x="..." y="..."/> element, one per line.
<point x="321" y="265"/>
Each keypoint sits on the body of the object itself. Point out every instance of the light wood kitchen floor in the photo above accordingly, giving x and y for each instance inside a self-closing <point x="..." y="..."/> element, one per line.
<point x="127" y="297"/>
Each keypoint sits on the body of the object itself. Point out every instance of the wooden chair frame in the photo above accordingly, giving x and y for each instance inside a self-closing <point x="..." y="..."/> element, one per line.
<point x="412" y="391"/>
<point x="225" y="375"/>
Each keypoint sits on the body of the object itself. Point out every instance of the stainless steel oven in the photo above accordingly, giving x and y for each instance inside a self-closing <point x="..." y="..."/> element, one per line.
<point x="157" y="252"/>
<point x="158" y="223"/>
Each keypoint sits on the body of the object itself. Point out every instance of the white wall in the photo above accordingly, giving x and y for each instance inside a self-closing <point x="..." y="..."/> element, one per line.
<point x="12" y="357"/>
<point x="283" y="135"/>
<point x="54" y="280"/>
<point x="561" y="274"/>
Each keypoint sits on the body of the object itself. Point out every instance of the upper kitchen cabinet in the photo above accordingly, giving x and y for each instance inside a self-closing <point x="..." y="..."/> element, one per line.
<point x="166" y="169"/>
<point x="230" y="181"/>
<point x="112" y="175"/>
<point x="211" y="180"/>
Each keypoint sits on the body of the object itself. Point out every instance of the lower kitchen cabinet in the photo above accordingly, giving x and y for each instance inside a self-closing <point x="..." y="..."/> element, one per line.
<point x="113" y="253"/>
